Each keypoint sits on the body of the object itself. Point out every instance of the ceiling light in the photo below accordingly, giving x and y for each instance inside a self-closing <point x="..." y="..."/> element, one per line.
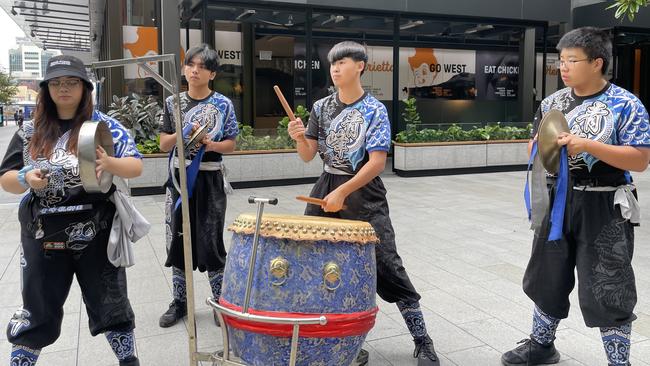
<point x="411" y="24"/>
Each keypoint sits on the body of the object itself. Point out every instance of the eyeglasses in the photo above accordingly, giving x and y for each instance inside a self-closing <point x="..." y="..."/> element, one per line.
<point x="68" y="84"/>
<point x="569" y="63"/>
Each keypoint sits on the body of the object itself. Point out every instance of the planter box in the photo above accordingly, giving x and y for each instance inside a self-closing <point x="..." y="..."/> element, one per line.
<point x="245" y="169"/>
<point x="270" y="167"/>
<point x="153" y="177"/>
<point x="459" y="157"/>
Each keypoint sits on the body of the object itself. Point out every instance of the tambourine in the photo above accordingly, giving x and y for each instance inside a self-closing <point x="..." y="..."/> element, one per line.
<point x="91" y="135"/>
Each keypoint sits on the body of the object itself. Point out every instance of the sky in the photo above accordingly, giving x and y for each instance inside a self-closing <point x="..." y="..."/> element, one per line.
<point x="10" y="31"/>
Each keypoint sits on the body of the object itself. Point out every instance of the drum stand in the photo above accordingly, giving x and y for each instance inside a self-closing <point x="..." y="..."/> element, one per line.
<point x="173" y="87"/>
<point x="245" y="315"/>
<point x="195" y="357"/>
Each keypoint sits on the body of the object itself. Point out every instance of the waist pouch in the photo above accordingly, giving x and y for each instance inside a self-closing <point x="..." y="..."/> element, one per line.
<point x="71" y="227"/>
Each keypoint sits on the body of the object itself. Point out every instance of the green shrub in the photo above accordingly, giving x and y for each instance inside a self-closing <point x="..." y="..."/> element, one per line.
<point x="457" y="133"/>
<point x="141" y="115"/>
<point x="246" y="140"/>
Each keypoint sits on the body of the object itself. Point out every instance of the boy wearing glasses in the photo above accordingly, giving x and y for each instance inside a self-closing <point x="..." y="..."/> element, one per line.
<point x="610" y="136"/>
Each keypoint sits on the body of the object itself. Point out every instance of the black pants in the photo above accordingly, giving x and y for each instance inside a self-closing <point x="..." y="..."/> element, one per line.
<point x="207" y="217"/>
<point x="369" y="204"/>
<point x="599" y="243"/>
<point x="46" y="280"/>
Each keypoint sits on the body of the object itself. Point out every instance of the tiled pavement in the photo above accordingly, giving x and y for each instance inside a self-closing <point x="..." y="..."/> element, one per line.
<point x="464" y="241"/>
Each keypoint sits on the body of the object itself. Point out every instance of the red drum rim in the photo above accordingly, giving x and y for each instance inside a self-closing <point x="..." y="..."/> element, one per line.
<point x="338" y="325"/>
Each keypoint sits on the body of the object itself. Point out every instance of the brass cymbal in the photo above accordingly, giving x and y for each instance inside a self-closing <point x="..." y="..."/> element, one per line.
<point x="197" y="136"/>
<point x="553" y="123"/>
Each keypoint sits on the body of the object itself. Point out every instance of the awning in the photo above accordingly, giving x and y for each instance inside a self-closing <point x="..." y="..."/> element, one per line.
<point x="69" y="25"/>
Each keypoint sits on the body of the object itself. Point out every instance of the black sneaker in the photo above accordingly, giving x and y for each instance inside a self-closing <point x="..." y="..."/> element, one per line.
<point x="531" y="353"/>
<point x="177" y="310"/>
<point x="362" y="358"/>
<point x="425" y="353"/>
<point x="131" y="361"/>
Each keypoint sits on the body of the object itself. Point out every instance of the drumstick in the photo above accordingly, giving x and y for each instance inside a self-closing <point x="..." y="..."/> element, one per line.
<point x="315" y="201"/>
<point x="284" y="103"/>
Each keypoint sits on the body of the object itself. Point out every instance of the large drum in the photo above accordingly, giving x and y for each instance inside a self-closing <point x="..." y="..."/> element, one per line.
<point x="306" y="266"/>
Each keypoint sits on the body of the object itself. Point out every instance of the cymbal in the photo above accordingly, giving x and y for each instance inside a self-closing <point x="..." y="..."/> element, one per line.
<point x="553" y="123"/>
<point x="91" y="135"/>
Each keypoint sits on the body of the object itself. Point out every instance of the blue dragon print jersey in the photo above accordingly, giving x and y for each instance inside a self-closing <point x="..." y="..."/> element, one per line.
<point x="64" y="185"/>
<point x="613" y="116"/>
<point x="216" y="111"/>
<point x="347" y="133"/>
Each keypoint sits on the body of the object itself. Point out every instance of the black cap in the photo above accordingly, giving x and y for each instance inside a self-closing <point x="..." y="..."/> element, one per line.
<point x="65" y="65"/>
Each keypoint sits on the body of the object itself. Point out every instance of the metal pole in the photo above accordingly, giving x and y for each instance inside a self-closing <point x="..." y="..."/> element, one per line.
<point x="173" y="87"/>
<point x="251" y="264"/>
<point x="293" y="356"/>
<point x="185" y="212"/>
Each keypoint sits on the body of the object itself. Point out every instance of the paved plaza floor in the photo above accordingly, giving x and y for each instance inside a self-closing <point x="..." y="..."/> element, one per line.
<point x="465" y="243"/>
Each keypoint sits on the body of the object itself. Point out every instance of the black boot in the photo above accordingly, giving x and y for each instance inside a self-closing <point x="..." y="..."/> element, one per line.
<point x="131" y="361"/>
<point x="531" y="353"/>
<point x="424" y="352"/>
<point x="362" y="358"/>
<point x="177" y="310"/>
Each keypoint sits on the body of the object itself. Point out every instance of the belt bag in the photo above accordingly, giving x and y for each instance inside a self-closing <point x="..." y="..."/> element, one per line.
<point x="70" y="227"/>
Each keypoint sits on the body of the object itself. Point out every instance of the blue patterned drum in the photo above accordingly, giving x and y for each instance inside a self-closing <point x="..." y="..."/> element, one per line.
<point x="306" y="266"/>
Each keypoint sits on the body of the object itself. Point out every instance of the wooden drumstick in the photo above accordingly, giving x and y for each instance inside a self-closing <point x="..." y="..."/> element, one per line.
<point x="284" y="103"/>
<point x="315" y="201"/>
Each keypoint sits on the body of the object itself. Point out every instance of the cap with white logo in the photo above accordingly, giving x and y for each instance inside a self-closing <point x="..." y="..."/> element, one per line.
<point x="66" y="65"/>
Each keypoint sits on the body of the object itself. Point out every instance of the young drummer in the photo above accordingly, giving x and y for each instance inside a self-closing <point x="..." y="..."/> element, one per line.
<point x="610" y="133"/>
<point x="351" y="132"/>
<point x="200" y="106"/>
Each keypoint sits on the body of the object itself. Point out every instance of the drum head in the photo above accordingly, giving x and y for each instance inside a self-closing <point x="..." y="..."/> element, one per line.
<point x="307" y="228"/>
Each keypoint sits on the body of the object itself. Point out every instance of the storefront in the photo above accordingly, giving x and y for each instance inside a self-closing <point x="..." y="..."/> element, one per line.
<point x="468" y="62"/>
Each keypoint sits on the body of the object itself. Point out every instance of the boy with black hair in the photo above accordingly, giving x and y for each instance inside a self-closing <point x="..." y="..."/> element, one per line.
<point x="200" y="106"/>
<point x="351" y="132"/>
<point x="610" y="136"/>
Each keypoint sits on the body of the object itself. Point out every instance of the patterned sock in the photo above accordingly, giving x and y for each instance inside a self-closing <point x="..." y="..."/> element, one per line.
<point x="617" y="343"/>
<point x="178" y="285"/>
<point x="122" y="343"/>
<point x="544" y="327"/>
<point x="216" y="279"/>
<point x="23" y="356"/>
<point x="413" y="317"/>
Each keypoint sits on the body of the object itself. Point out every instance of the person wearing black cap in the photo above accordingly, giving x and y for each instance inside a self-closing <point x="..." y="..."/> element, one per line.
<point x="64" y="229"/>
<point x="351" y="132"/>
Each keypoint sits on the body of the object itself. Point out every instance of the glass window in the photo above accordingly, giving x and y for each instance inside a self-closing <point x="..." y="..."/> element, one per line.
<point x="140" y="38"/>
<point x="375" y="32"/>
<point x="463" y="72"/>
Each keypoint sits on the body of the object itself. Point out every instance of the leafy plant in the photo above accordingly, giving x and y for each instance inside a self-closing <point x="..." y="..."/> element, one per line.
<point x="140" y="114"/>
<point x="627" y="8"/>
<point x="149" y="146"/>
<point x="410" y="115"/>
<point x="457" y="133"/>
<point x="246" y="140"/>
<point x="8" y="88"/>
